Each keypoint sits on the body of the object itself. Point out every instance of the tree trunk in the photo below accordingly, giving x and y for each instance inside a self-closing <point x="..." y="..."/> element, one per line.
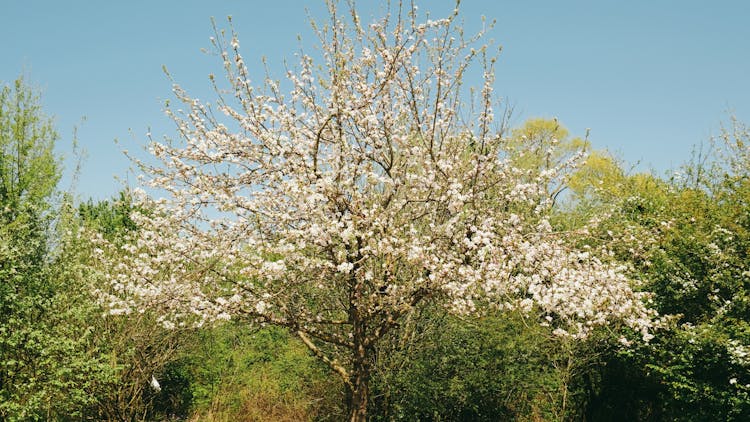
<point x="359" y="395"/>
<point x="360" y="375"/>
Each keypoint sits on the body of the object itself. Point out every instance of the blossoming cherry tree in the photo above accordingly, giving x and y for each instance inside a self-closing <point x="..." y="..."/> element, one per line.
<point x="336" y="202"/>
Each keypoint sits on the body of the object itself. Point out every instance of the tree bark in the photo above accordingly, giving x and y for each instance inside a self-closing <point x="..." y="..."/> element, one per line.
<point x="359" y="395"/>
<point x="361" y="364"/>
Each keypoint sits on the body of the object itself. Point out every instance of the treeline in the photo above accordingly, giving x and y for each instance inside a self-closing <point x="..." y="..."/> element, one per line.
<point x="684" y="237"/>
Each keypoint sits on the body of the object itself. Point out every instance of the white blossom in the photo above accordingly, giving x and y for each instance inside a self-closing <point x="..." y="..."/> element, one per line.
<point x="346" y="201"/>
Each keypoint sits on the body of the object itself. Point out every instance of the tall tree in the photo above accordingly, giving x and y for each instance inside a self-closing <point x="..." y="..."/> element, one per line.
<point x="339" y="206"/>
<point x="28" y="175"/>
<point x="29" y="169"/>
<point x="49" y="362"/>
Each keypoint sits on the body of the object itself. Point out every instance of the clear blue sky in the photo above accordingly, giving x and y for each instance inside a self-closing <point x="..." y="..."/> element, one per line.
<point x="650" y="78"/>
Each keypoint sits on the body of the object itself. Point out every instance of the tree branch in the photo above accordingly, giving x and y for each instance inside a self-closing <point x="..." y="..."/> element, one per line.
<point x="333" y="363"/>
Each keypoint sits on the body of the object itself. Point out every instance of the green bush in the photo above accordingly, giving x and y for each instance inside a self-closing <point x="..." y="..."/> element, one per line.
<point x="240" y="374"/>
<point x="499" y="367"/>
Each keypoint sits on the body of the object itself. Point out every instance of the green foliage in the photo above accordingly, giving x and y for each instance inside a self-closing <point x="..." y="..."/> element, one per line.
<point x="541" y="145"/>
<point x="42" y="369"/>
<point x="498" y="367"/>
<point x="688" y="242"/>
<point x="110" y="218"/>
<point x="237" y="374"/>
<point x="55" y="338"/>
<point x="601" y="176"/>
<point x="59" y="359"/>
<point x="29" y="169"/>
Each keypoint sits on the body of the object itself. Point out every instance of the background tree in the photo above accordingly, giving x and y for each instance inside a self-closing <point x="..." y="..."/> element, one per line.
<point x="28" y="166"/>
<point x="336" y="208"/>
<point x="687" y="238"/>
<point x="44" y="368"/>
<point x="545" y="146"/>
<point x="59" y="360"/>
<point x="27" y="138"/>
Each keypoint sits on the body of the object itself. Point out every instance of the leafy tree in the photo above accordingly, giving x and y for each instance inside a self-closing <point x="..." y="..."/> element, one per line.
<point x="28" y="175"/>
<point x="544" y="145"/>
<point x="44" y="368"/>
<point x="58" y="358"/>
<point x="687" y="239"/>
<point x="29" y="169"/>
<point x="336" y="208"/>
<point x="110" y="218"/>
